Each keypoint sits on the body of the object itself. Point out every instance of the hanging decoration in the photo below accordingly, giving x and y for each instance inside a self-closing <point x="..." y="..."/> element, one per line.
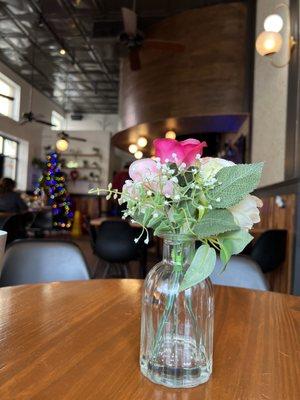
<point x="53" y="182"/>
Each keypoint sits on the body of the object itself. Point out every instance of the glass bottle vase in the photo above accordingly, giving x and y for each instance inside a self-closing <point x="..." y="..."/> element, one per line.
<point x="176" y="326"/>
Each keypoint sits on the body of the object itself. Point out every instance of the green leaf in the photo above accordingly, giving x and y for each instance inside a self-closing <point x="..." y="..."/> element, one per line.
<point x="226" y="252"/>
<point x="147" y="216"/>
<point x="163" y="227"/>
<point x="215" y="222"/>
<point x="234" y="183"/>
<point x="233" y="243"/>
<point x="201" y="267"/>
<point x="238" y="240"/>
<point x="155" y="221"/>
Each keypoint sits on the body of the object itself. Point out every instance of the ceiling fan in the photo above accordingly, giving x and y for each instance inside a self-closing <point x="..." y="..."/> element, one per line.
<point x="134" y="40"/>
<point x="31" y="117"/>
<point x="65" y="136"/>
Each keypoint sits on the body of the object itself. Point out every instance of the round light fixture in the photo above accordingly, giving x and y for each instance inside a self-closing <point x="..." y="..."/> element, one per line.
<point x="62" y="52"/>
<point x="142" y="141"/>
<point x="62" y="144"/>
<point x="132" y="148"/>
<point x="273" y="23"/>
<point x="268" y="43"/>
<point x="138" y="154"/>
<point x="170" y="135"/>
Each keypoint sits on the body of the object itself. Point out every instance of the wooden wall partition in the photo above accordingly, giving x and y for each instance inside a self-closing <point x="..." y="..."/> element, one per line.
<point x="275" y="217"/>
<point x="208" y="78"/>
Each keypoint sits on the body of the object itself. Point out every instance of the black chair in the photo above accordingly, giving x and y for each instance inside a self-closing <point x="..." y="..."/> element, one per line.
<point x="14" y="226"/>
<point x="35" y="261"/>
<point x="42" y="223"/>
<point x="115" y="245"/>
<point x="269" y="251"/>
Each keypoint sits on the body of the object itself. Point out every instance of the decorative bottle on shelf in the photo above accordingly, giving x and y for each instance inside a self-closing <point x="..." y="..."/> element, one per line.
<point x="177" y="326"/>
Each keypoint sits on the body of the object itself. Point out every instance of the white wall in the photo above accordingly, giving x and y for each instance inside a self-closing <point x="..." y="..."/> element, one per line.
<point x="270" y="107"/>
<point x="97" y="130"/>
<point x="29" y="135"/>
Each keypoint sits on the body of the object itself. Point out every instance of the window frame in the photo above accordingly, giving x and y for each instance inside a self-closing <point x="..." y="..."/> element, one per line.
<point x="10" y="157"/>
<point x="58" y="116"/>
<point x="17" y="97"/>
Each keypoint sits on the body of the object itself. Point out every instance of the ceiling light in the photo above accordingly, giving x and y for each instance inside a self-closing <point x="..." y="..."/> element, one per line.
<point x="62" y="52"/>
<point x="142" y="141"/>
<point x="132" y="148"/>
<point x="62" y="144"/>
<point x="273" y="23"/>
<point x="138" y="154"/>
<point x="170" y="135"/>
<point x="268" y="43"/>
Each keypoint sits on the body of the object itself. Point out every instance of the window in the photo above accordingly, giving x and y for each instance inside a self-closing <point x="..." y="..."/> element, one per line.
<point x="8" y="158"/>
<point x="57" y="120"/>
<point x="9" y="98"/>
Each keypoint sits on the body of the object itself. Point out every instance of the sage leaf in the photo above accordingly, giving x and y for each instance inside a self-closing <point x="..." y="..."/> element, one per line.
<point x="201" y="267"/>
<point x="215" y="222"/>
<point x="234" y="183"/>
<point x="238" y="240"/>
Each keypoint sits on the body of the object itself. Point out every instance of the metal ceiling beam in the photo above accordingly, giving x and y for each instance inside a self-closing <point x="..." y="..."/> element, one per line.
<point x="66" y="5"/>
<point x="38" y="10"/>
<point x="4" y="9"/>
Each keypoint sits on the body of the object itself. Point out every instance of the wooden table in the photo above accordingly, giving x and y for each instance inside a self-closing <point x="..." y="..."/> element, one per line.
<point x="80" y="341"/>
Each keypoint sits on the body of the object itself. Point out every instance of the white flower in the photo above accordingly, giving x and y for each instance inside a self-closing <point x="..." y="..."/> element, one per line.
<point x="246" y="212"/>
<point x="210" y="166"/>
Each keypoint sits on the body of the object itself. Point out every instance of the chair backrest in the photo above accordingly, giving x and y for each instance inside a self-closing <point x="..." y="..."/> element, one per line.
<point x="241" y="271"/>
<point x="115" y="242"/>
<point x="43" y="220"/>
<point x="269" y="250"/>
<point x="14" y="227"/>
<point x="35" y="261"/>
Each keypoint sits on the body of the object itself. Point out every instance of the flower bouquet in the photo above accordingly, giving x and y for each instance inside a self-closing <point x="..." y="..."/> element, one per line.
<point x="184" y="197"/>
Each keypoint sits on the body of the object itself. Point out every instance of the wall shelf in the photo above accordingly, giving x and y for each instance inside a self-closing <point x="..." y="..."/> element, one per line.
<point x="81" y="155"/>
<point x="97" y="168"/>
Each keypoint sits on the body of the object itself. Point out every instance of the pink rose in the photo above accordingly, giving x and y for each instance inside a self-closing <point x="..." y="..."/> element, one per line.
<point x="143" y="169"/>
<point x="170" y="150"/>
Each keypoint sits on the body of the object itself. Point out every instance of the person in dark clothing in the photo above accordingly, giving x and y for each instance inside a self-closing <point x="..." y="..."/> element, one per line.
<point x="10" y="201"/>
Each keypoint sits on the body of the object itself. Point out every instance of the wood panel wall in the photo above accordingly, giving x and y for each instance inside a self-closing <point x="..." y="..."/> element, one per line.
<point x="208" y="78"/>
<point x="274" y="217"/>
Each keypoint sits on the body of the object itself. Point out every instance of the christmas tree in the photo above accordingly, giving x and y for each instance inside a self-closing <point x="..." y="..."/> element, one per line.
<point x="53" y="183"/>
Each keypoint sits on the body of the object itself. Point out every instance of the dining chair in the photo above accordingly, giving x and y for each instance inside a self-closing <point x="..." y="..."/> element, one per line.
<point x="42" y="222"/>
<point x="241" y="271"/>
<point x="115" y="245"/>
<point x="14" y="226"/>
<point x="269" y="250"/>
<point x="42" y="260"/>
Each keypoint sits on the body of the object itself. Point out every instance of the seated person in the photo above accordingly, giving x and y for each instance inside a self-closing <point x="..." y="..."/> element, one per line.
<point x="10" y="201"/>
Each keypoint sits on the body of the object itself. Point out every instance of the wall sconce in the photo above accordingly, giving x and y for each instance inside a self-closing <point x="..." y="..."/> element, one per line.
<point x="170" y="135"/>
<point x="271" y="42"/>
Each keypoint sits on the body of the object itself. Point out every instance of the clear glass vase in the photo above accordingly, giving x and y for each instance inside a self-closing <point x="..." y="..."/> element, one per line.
<point x="176" y="327"/>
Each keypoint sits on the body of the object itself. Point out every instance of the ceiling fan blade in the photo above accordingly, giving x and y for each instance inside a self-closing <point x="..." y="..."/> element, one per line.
<point x="43" y="122"/>
<point x="23" y="122"/>
<point x="7" y="97"/>
<point x="129" y="21"/>
<point x="164" y="45"/>
<point x="134" y="59"/>
<point x="75" y="138"/>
